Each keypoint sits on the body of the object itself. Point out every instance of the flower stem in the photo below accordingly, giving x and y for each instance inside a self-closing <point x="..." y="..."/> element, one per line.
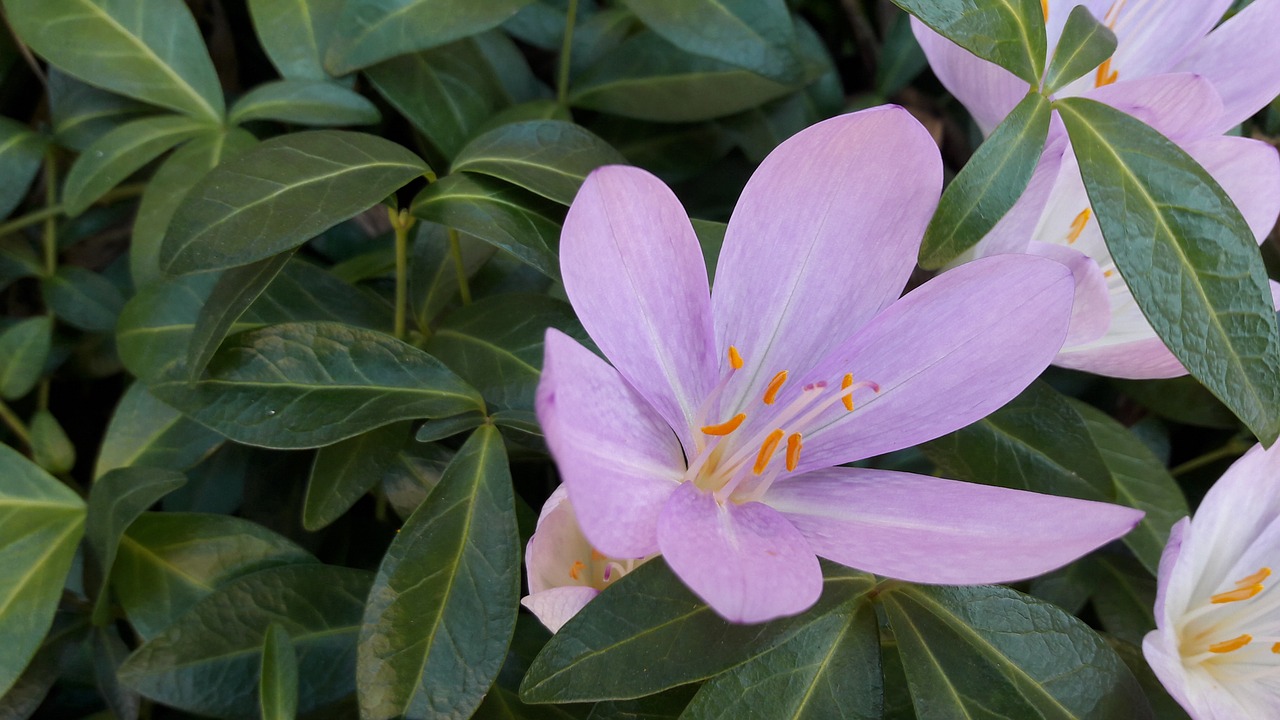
<point x="566" y="51"/>
<point x="455" y="249"/>
<point x="1233" y="448"/>
<point x="15" y="424"/>
<point x="401" y="222"/>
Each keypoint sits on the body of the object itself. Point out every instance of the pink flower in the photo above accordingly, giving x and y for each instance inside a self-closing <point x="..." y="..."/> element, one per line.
<point x="714" y="434"/>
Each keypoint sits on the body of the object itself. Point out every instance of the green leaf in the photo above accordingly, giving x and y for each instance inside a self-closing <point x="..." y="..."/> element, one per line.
<point x="146" y="49"/>
<point x="756" y="35"/>
<point x="295" y="34"/>
<point x="208" y="661"/>
<point x="830" y="669"/>
<point x="304" y="102"/>
<point x="994" y="653"/>
<point x="121" y="152"/>
<point x="24" y="347"/>
<point x="1188" y="256"/>
<point x="1165" y="707"/>
<point x="41" y="522"/>
<point x="443" y="607"/>
<point x="375" y="30"/>
<point x="144" y="432"/>
<point x="278" y="687"/>
<point x="343" y="472"/>
<point x="901" y="58"/>
<point x="280" y="194"/>
<point x="109" y="651"/>
<point x="497" y="213"/>
<point x="300" y="385"/>
<point x="496" y="344"/>
<point x="666" y="705"/>
<point x="48" y="665"/>
<point x="413" y="475"/>
<point x="50" y="446"/>
<point x="82" y="298"/>
<point x="989" y="184"/>
<point x="548" y="157"/>
<point x="606" y="651"/>
<point x="167" y="562"/>
<point x="434" y="430"/>
<point x="21" y="152"/>
<point x="648" y="78"/>
<point x="115" y="501"/>
<point x="1182" y="399"/>
<point x="234" y="292"/>
<point x="433" y="270"/>
<point x="81" y="113"/>
<point x="1009" y="33"/>
<point x="1084" y="44"/>
<point x="1124" y="597"/>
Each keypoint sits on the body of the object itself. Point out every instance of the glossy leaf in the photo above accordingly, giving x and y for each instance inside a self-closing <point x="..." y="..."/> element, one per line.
<point x="300" y="385"/>
<point x="1182" y="400"/>
<point x="433" y="270"/>
<point x="208" y="661"/>
<point x="146" y="49"/>
<point x="295" y="34"/>
<point x="26" y="694"/>
<point x="343" y="472"/>
<point x="496" y="213"/>
<point x="1084" y="44"/>
<point x="234" y="292"/>
<point x="413" y="475"/>
<point x="50" y="446"/>
<point x="278" y="687"/>
<point x="1187" y="255"/>
<point x="1124" y="598"/>
<point x="443" y="607"/>
<point x="280" y="194"/>
<point x="989" y="183"/>
<point x="24" y="347"/>
<point x="81" y="113"/>
<point x="1009" y="33"/>
<point x="145" y="432"/>
<point x="82" y="298"/>
<point x="167" y="562"/>
<point x="375" y="30"/>
<point x="121" y="152"/>
<point x="548" y="157"/>
<point x="992" y="652"/>
<point x="304" y="102"/>
<point x="41" y="522"/>
<point x="434" y="430"/>
<point x="21" y="152"/>
<point x="109" y="652"/>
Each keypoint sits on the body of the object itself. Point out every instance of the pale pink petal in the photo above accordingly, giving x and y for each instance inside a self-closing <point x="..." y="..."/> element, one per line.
<point x="1168" y="560"/>
<point x="987" y="91"/>
<point x="1249" y="171"/>
<point x="1242" y="59"/>
<point x="931" y="530"/>
<point x="1154" y="36"/>
<point x="1160" y="648"/>
<point x="633" y="271"/>
<point x="745" y="561"/>
<point x="1197" y="692"/>
<point x="557" y="606"/>
<point x="945" y="355"/>
<point x="556" y="544"/>
<point x="1091" y="310"/>
<point x="619" y="460"/>
<point x="824" y="236"/>
<point x="1146" y="359"/>
<point x="1179" y="105"/>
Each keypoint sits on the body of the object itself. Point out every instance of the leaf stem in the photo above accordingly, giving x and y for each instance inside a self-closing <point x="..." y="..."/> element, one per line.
<point x="566" y="52"/>
<point x="121" y="193"/>
<point x="50" y="238"/>
<point x="455" y="249"/>
<point x="15" y="424"/>
<point x="401" y="222"/>
<point x="1233" y="448"/>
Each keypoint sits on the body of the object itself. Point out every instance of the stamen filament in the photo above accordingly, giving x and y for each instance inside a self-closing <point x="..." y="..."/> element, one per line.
<point x="1231" y="645"/>
<point x="771" y="392"/>
<point x="766" y="451"/>
<point x="725" y="427"/>
<point x="793" y="451"/>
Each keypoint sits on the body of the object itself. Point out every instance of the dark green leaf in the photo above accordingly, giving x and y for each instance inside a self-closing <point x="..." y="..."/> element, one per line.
<point x="496" y="213"/>
<point x="21" y="152"/>
<point x="208" y="661"/>
<point x="414" y="474"/>
<point x="1124" y="597"/>
<point x="300" y="385"/>
<point x="994" y="653"/>
<point x="548" y="157"/>
<point x="304" y="102"/>
<point x="280" y="194"/>
<point x="234" y="292"/>
<point x="989" y="184"/>
<point x="295" y="34"/>
<point x="278" y="687"/>
<point x="666" y="705"/>
<point x="830" y="669"/>
<point x="433" y="269"/>
<point x="50" y="446"/>
<point x="434" y="430"/>
<point x="147" y="49"/>
<point x="166" y="562"/>
<point x="1009" y="33"/>
<point x="24" y="347"/>
<point x="1187" y="255"/>
<point x="375" y="30"/>
<point x="343" y="472"/>
<point x="82" y="298"/>
<point x="1166" y="708"/>
<point x="41" y="522"/>
<point x="109" y="651"/>
<point x="1182" y="400"/>
<point x="901" y="58"/>
<point x="1084" y="44"/>
<point x="66" y="637"/>
<point x="443" y="607"/>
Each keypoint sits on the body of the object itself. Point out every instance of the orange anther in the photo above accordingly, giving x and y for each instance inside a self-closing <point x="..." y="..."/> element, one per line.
<point x="725" y="427"/>
<point x="766" y="451"/>
<point x="597" y="556"/>
<point x="735" y="359"/>
<point x="1044" y="6"/>
<point x="1255" y="579"/>
<point x="576" y="569"/>
<point x="793" y="451"/>
<point x="1109" y="273"/>
<point x="846" y="381"/>
<point x="1105" y="75"/>
<point x="771" y="392"/>
<point x="1230" y="596"/>
<point x="1276" y="648"/>
<point x="1078" y="225"/>
<point x="1231" y="645"/>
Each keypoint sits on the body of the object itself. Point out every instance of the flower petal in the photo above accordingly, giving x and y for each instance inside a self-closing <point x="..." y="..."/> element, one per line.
<point x="1091" y="310"/>
<point x="1154" y="36"/>
<point x="556" y="544"/>
<point x="1179" y="105"/>
<point x="1242" y="60"/>
<point x="945" y="355"/>
<point x="1249" y="171"/>
<point x="1011" y="233"/>
<point x="824" y="236"/>
<point x="1160" y="648"/>
<point x="633" y="271"/>
<point x="746" y="561"/>
<point x="557" y="606"/>
<point x="1169" y="559"/>
<point x="1145" y="359"/>
<point x="987" y="91"/>
<point x="931" y="530"/>
<point x="619" y="460"/>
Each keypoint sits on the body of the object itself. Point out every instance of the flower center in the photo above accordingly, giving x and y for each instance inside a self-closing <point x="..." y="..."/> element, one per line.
<point x="1237" y="630"/>
<point x="740" y="466"/>
<point x="600" y="570"/>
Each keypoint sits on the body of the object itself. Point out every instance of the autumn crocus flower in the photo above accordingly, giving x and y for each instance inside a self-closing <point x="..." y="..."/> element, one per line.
<point x="1217" y="643"/>
<point x="713" y="435"/>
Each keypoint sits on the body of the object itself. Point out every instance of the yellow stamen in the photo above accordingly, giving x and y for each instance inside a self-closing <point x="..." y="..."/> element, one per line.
<point x="771" y="392"/>
<point x="844" y="385"/>
<point x="1230" y="596"/>
<point x="1106" y="75"/>
<point x="793" y="451"/>
<point x="576" y="569"/>
<point x="597" y="556"/>
<point x="1044" y="5"/>
<point x="1255" y="579"/>
<point x="1231" y="645"/>
<point x="766" y="451"/>
<point x="1109" y="273"/>
<point x="1078" y="225"/>
<point x="725" y="427"/>
<point x="735" y="359"/>
<point x="1276" y="648"/>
